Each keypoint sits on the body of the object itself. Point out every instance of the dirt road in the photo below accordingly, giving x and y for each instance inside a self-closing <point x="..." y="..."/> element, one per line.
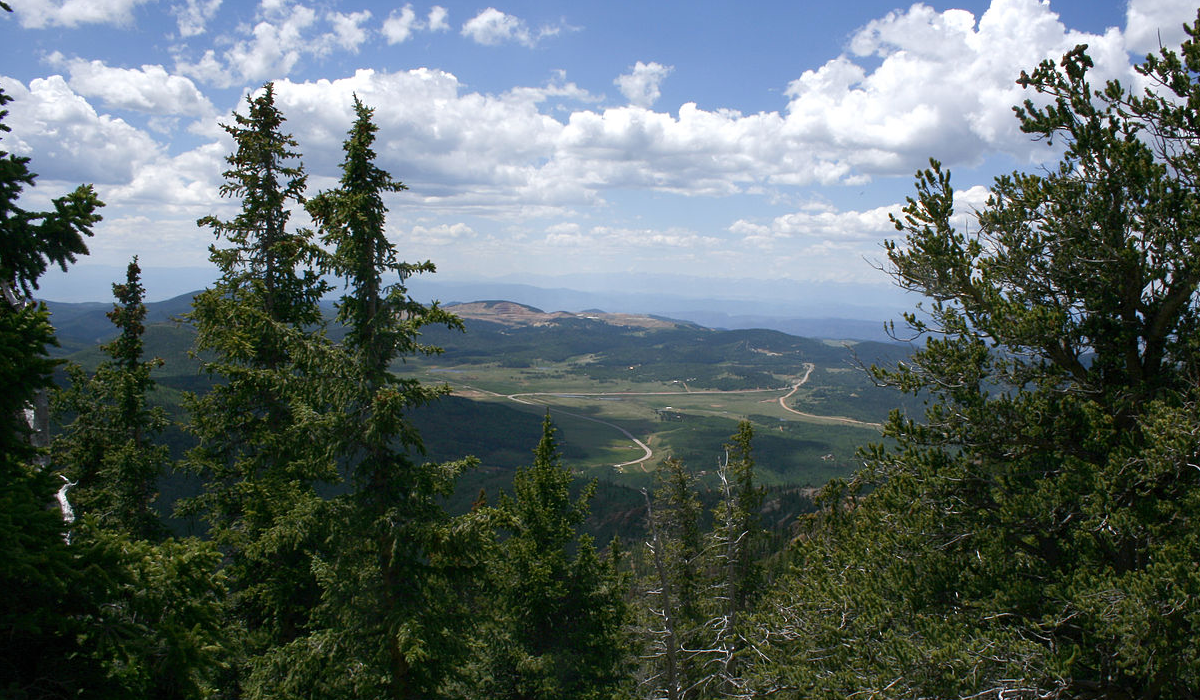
<point x="809" y="367"/>
<point x="526" y="398"/>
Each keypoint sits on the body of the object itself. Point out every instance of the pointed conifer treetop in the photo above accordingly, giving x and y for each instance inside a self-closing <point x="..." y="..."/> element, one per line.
<point x="264" y="256"/>
<point x="383" y="322"/>
<point x="264" y="426"/>
<point x="394" y="563"/>
<point x="128" y="314"/>
<point x="107" y="451"/>
<point x="543" y="509"/>
<point x="560" y="605"/>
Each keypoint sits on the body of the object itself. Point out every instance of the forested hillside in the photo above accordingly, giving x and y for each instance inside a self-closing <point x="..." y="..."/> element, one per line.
<point x="1025" y="528"/>
<point x="677" y="386"/>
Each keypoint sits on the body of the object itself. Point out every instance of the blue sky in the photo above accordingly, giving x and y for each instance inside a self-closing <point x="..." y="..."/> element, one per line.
<point x="722" y="140"/>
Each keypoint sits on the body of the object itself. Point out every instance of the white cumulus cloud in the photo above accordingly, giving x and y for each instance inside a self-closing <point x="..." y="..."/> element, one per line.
<point x="70" y="140"/>
<point x="193" y="16"/>
<point x="491" y="27"/>
<point x="275" y="46"/>
<point x="399" y="26"/>
<point x="38" y="14"/>
<point x="285" y="32"/>
<point x="944" y="85"/>
<point x="640" y="85"/>
<point x="456" y="143"/>
<point x="857" y="117"/>
<point x="1153" y="23"/>
<point x="912" y="84"/>
<point x="348" y="32"/>
<point x="148" y="89"/>
<point x="437" y="19"/>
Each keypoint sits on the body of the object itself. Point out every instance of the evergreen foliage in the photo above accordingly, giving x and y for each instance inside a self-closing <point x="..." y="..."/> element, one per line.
<point x="263" y="428"/>
<point x="1033" y="535"/>
<point x="39" y="622"/>
<point x="390" y="621"/>
<point x="110" y="614"/>
<point x="30" y="241"/>
<point x="382" y="321"/>
<point x="558" y="609"/>
<point x="107" y="451"/>
<point x="264" y="261"/>
<point x="156" y="630"/>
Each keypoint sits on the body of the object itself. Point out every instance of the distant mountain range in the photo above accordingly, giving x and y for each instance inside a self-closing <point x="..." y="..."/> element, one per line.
<point x="832" y="311"/>
<point x="827" y="310"/>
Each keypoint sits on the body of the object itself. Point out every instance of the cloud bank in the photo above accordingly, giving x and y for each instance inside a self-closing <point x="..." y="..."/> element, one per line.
<point x="909" y="85"/>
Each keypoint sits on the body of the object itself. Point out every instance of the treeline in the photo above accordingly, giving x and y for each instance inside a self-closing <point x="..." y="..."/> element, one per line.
<point x="1032" y="535"/>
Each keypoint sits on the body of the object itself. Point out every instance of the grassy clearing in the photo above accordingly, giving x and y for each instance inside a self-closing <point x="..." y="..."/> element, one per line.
<point x="670" y="418"/>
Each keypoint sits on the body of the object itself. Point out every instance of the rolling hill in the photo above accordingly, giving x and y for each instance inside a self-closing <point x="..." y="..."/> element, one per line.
<point x="626" y="391"/>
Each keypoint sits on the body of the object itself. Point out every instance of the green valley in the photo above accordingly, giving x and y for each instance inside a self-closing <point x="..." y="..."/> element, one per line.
<point x="627" y="391"/>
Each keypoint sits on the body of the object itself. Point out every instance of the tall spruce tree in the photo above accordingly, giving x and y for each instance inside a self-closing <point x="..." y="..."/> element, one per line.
<point x="264" y="426"/>
<point x="559" y="606"/>
<point x="390" y="623"/>
<point x="1034" y="535"/>
<point x="107" y="451"/>
<point x="157" y="629"/>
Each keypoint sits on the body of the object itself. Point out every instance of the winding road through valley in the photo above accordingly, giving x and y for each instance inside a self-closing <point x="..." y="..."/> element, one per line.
<point x="809" y="367"/>
<point x="527" y="399"/>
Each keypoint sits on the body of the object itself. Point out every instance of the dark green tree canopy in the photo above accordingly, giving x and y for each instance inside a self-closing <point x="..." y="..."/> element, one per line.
<point x="30" y="241"/>
<point x="1031" y="533"/>
<point x="108" y="450"/>
<point x="108" y="615"/>
<point x="558" y="606"/>
<point x="264" y="256"/>
<point x="264" y="428"/>
<point x="382" y="320"/>
<point x="392" y="563"/>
